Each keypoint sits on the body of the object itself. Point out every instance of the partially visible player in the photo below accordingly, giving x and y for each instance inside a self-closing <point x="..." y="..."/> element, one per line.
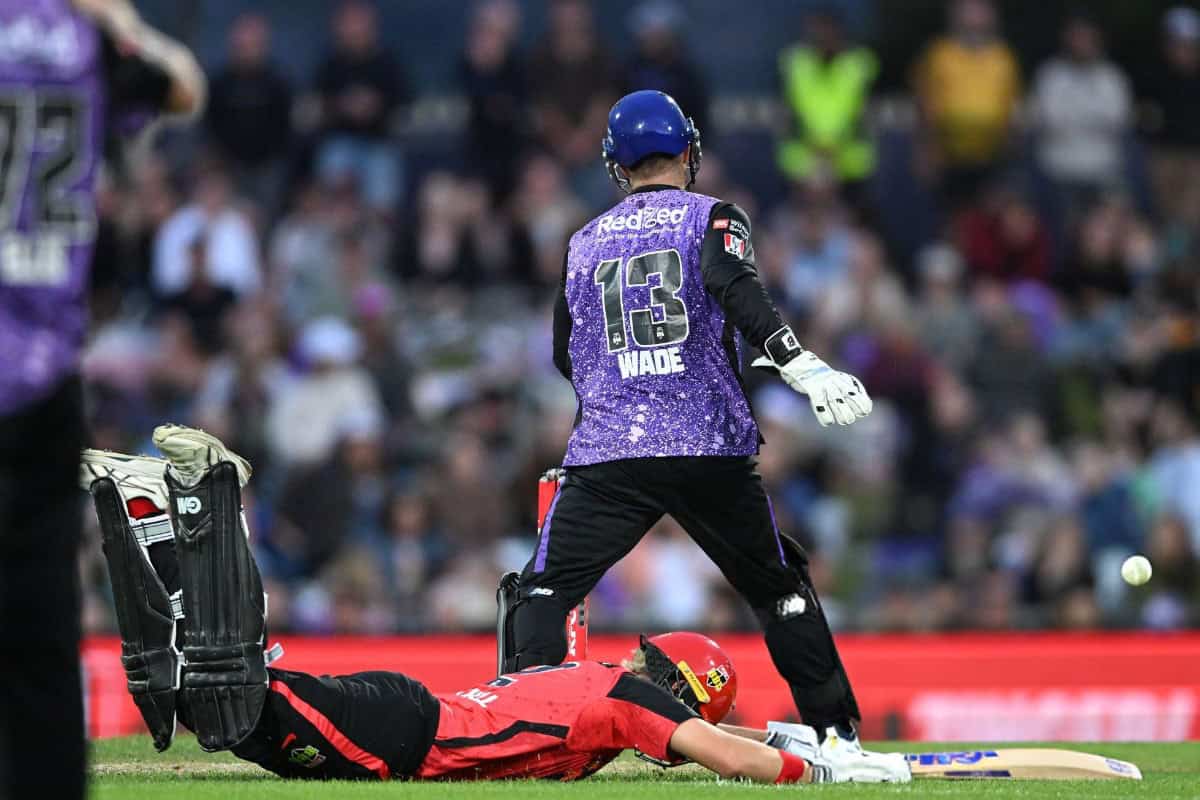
<point x="71" y="75"/>
<point x="657" y="295"/>
<point x="192" y="616"/>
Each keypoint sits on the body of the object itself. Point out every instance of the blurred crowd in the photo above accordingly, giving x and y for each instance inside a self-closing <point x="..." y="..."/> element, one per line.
<point x="1006" y="254"/>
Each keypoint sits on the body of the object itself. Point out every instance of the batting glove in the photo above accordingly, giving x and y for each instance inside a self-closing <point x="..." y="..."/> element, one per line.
<point x="835" y="396"/>
<point x="799" y="740"/>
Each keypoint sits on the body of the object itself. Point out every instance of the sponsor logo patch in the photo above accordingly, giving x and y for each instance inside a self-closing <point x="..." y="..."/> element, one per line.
<point x="27" y="38"/>
<point x="720" y="224"/>
<point x="308" y="757"/>
<point x="942" y="759"/>
<point x="643" y="219"/>
<point x="717" y="677"/>
<point x="791" y="606"/>
<point x="188" y="505"/>
<point x="735" y="245"/>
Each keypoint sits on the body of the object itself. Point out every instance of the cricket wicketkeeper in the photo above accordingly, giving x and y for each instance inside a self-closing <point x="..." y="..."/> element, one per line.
<point x="192" y="616"/>
<point x="654" y="294"/>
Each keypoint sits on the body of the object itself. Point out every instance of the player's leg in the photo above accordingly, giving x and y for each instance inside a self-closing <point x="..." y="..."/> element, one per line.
<point x="369" y="726"/>
<point x="41" y="710"/>
<point x="722" y="504"/>
<point x="130" y="496"/>
<point x="308" y="727"/>
<point x="598" y="516"/>
<point x="224" y="677"/>
<point x="132" y="499"/>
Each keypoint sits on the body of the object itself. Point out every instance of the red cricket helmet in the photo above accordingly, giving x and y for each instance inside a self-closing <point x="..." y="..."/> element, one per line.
<point x="695" y="669"/>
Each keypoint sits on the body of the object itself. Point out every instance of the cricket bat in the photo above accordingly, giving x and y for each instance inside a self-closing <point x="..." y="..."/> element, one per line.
<point x="1020" y="764"/>
<point x="577" y="617"/>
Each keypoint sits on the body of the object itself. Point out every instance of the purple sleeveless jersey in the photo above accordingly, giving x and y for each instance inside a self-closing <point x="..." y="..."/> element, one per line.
<point x="51" y="134"/>
<point x="648" y="356"/>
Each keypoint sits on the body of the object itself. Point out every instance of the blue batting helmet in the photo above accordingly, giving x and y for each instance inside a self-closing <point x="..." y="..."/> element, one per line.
<point x="648" y="123"/>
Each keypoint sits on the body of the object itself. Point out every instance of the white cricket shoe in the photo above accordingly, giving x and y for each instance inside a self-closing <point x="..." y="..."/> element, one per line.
<point x="849" y="763"/>
<point x="191" y="453"/>
<point x="135" y="476"/>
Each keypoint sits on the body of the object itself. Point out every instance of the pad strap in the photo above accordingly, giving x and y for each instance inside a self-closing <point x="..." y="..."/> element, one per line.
<point x="152" y="530"/>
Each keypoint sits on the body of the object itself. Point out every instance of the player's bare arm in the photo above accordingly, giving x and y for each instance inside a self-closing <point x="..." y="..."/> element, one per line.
<point x="733" y="753"/>
<point x="133" y="37"/>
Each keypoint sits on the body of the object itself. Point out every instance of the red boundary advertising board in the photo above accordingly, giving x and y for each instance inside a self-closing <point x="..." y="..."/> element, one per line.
<point x="968" y="687"/>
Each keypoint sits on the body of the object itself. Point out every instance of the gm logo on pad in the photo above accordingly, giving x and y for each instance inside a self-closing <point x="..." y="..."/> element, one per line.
<point x="188" y="505"/>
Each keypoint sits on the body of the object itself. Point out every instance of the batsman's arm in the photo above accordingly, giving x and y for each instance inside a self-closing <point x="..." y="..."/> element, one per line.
<point x="754" y="734"/>
<point x="562" y="325"/>
<point x="733" y="755"/>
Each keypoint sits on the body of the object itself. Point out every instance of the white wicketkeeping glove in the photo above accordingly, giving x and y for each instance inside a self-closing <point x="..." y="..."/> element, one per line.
<point x="835" y="396"/>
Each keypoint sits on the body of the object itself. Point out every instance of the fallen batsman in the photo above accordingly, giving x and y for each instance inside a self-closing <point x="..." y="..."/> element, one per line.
<point x="192" y="617"/>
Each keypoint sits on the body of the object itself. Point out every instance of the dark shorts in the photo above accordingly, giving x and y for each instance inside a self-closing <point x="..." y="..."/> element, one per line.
<point x="41" y="711"/>
<point x="602" y="511"/>
<point x="369" y="725"/>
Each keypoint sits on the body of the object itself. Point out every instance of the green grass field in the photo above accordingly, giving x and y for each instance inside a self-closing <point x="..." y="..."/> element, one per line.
<point x="127" y="769"/>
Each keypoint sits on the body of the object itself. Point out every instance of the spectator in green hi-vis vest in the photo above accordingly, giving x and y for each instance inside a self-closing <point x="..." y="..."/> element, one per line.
<point x="826" y="85"/>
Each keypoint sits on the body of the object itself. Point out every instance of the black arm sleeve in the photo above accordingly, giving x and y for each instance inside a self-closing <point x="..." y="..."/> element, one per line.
<point x="562" y="326"/>
<point x="134" y="84"/>
<point x="727" y="263"/>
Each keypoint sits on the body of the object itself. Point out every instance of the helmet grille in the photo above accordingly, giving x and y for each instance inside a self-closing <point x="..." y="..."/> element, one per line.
<point x="663" y="672"/>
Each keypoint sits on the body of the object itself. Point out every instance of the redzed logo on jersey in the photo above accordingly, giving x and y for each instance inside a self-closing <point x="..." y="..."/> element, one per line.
<point x="735" y="245"/>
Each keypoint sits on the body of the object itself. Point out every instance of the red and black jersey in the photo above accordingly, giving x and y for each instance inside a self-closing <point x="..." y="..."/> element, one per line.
<point x="563" y="722"/>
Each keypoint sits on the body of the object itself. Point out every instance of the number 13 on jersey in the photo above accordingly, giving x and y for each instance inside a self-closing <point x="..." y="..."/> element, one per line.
<point x="646" y="330"/>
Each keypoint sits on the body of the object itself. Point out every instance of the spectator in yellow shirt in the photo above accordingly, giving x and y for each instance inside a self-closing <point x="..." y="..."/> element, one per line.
<point x="968" y="85"/>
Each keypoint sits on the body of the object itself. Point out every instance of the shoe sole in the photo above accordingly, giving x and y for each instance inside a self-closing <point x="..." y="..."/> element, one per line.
<point x="194" y="450"/>
<point x="141" y="473"/>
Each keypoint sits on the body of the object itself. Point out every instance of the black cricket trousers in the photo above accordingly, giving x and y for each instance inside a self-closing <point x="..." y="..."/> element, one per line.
<point x="41" y="707"/>
<point x="603" y="510"/>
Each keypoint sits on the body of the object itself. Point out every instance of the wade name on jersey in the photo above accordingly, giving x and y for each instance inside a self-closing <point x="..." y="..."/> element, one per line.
<point x="635" y="363"/>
